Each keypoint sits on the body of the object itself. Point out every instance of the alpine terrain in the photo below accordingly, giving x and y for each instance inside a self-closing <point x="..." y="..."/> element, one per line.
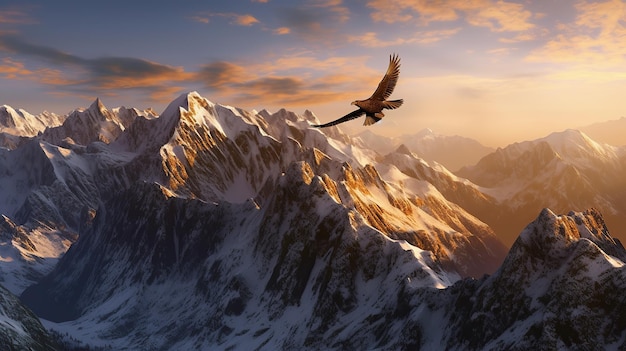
<point x="453" y="152"/>
<point x="212" y="227"/>
<point x="565" y="170"/>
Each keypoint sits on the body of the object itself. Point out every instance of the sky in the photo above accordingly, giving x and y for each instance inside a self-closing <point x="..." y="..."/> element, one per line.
<point x="496" y="71"/>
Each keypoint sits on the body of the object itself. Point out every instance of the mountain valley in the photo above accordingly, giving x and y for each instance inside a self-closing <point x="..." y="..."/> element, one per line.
<point x="213" y="227"/>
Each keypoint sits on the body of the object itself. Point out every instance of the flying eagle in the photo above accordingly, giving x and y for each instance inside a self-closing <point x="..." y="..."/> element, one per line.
<point x="373" y="107"/>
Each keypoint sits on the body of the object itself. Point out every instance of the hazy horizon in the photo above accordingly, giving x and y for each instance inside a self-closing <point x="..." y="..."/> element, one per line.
<point x="495" y="71"/>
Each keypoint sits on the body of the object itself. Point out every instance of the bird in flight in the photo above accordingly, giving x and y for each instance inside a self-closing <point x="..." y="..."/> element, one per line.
<point x="373" y="107"/>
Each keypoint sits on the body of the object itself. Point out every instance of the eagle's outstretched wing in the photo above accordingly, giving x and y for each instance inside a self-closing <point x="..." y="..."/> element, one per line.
<point x="349" y="116"/>
<point x="388" y="83"/>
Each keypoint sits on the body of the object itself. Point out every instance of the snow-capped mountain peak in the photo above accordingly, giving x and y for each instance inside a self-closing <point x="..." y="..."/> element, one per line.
<point x="21" y="123"/>
<point x="558" y="232"/>
<point x="257" y="231"/>
<point x="98" y="106"/>
<point x="559" y="285"/>
<point x="564" y="170"/>
<point x="575" y="145"/>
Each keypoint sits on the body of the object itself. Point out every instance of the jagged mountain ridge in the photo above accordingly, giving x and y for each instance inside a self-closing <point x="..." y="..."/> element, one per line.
<point x="16" y="126"/>
<point x="562" y="273"/>
<point x="207" y="151"/>
<point x="95" y="123"/>
<point x="198" y="135"/>
<point x="317" y="258"/>
<point x="244" y="274"/>
<point x="559" y="288"/>
<point x="565" y="170"/>
<point x="21" y="123"/>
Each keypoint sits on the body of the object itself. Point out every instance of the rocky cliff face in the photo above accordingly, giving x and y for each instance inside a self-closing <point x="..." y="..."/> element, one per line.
<point x="260" y="218"/>
<point x="559" y="288"/>
<point x="214" y="227"/>
<point x="224" y="275"/>
<point x="20" y="329"/>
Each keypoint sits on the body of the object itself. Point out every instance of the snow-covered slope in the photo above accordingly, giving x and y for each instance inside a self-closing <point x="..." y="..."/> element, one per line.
<point x="16" y="126"/>
<point x="307" y="221"/>
<point x="95" y="123"/>
<point x="45" y="197"/>
<point x="21" y="123"/>
<point x="20" y="329"/>
<point x="212" y="227"/>
<point x="173" y="273"/>
<point x="563" y="171"/>
<point x="560" y="287"/>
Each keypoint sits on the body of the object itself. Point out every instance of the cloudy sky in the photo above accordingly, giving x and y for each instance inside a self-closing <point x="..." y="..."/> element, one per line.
<point x="497" y="71"/>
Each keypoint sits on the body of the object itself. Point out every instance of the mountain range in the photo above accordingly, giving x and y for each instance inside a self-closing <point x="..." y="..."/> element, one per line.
<point x="453" y="152"/>
<point x="565" y="170"/>
<point x="213" y="227"/>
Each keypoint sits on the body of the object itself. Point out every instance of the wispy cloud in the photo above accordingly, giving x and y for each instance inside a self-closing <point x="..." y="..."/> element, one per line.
<point x="371" y="39"/>
<point x="501" y="51"/>
<point x="597" y="36"/>
<point x="201" y="19"/>
<point x="282" y="30"/>
<point x="103" y="74"/>
<point x="270" y="82"/>
<point x="16" y="70"/>
<point x="15" y="15"/>
<point x="220" y="74"/>
<point x="296" y="79"/>
<point x="523" y="36"/>
<point x="316" y="21"/>
<point x="12" y="69"/>
<point x="235" y="18"/>
<point x="498" y="16"/>
<point x="339" y="12"/>
<point x="245" y="20"/>
<point x="10" y="42"/>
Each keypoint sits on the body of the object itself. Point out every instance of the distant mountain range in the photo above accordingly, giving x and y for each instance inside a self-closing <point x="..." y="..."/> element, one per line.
<point x="213" y="227"/>
<point x="565" y="170"/>
<point x="453" y="152"/>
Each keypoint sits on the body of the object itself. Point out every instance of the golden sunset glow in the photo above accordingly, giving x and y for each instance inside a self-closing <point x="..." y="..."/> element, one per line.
<point x="496" y="71"/>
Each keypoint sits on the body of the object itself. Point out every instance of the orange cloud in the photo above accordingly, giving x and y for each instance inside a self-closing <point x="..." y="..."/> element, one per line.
<point x="15" y="70"/>
<point x="238" y="19"/>
<point x="282" y="30"/>
<point x="80" y="75"/>
<point x="245" y="20"/>
<point x="273" y="83"/>
<point x="134" y="81"/>
<point x="597" y="36"/>
<point x="498" y="16"/>
<point x="370" y="39"/>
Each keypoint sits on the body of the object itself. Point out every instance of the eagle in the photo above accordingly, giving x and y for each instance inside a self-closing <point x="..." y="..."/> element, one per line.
<point x="373" y="107"/>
